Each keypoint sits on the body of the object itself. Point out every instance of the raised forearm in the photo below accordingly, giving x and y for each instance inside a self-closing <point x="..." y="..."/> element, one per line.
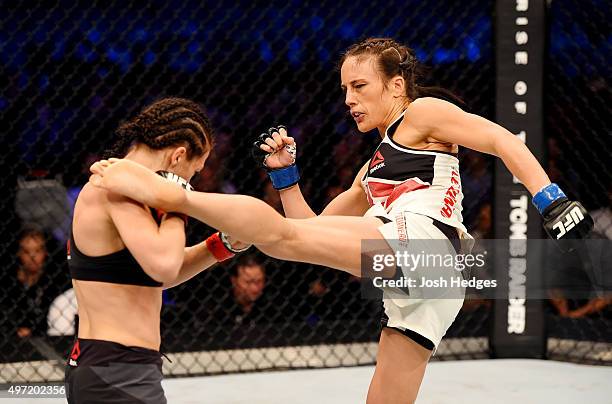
<point x="294" y="204"/>
<point x="521" y="162"/>
<point x="197" y="259"/>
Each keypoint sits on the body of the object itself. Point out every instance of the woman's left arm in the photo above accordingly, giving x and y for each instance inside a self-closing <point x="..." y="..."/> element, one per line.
<point x="442" y="121"/>
<point x="204" y="255"/>
<point x="448" y="123"/>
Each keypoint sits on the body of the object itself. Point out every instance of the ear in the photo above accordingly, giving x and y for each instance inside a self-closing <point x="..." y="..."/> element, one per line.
<point x="177" y="155"/>
<point x="398" y="87"/>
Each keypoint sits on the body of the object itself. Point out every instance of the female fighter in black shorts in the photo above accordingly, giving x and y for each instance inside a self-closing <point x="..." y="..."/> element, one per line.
<point x="122" y="254"/>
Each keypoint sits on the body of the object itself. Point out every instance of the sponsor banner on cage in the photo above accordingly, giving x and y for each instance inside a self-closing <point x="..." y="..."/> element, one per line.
<point x="437" y="269"/>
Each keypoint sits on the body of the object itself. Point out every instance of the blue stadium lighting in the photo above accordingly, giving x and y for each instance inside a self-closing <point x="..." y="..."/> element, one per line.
<point x="43" y="81"/>
<point x="94" y="36"/>
<point x="347" y="30"/>
<point x="442" y="55"/>
<point x="149" y="58"/>
<point x="266" y="51"/>
<point x="316" y="23"/>
<point x="112" y="54"/>
<point x="295" y="51"/>
<point x="473" y="50"/>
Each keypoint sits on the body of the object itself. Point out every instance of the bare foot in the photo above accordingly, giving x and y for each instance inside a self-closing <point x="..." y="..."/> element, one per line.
<point x="137" y="182"/>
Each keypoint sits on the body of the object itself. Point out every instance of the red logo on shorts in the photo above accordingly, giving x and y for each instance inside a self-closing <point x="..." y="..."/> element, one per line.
<point x="76" y="351"/>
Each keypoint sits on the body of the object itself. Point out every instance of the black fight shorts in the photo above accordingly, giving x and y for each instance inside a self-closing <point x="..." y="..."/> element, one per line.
<point x="107" y="372"/>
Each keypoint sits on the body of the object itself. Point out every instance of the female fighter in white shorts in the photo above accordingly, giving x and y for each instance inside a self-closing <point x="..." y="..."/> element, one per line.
<point x="409" y="188"/>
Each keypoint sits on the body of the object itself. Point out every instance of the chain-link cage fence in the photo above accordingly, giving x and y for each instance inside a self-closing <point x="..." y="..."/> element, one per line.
<point x="577" y="103"/>
<point x="70" y="72"/>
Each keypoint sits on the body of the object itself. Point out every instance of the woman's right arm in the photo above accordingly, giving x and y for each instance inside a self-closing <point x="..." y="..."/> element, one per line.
<point x="158" y="249"/>
<point x="352" y="202"/>
<point x="275" y="146"/>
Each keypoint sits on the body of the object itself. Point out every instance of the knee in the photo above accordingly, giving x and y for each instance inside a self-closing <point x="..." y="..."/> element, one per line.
<point x="280" y="244"/>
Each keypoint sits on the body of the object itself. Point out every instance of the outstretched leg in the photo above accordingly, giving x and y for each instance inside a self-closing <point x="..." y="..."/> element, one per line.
<point x="333" y="241"/>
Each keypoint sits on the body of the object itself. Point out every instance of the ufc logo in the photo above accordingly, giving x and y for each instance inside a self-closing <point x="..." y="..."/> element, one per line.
<point x="571" y="219"/>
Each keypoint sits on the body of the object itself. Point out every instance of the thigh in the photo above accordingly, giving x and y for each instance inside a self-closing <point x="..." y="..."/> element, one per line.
<point x="400" y="366"/>
<point x="332" y="241"/>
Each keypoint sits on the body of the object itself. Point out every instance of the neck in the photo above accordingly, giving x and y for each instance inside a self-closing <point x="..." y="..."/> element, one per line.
<point x="146" y="157"/>
<point x="392" y="115"/>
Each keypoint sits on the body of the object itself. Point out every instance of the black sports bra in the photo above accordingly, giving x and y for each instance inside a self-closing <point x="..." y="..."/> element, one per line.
<point x="119" y="267"/>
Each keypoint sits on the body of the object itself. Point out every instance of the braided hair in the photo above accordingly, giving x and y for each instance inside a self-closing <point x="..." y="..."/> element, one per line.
<point x="394" y="59"/>
<point x="166" y="122"/>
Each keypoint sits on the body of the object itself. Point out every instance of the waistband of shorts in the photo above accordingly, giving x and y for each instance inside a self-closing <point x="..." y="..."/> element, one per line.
<point x="101" y="352"/>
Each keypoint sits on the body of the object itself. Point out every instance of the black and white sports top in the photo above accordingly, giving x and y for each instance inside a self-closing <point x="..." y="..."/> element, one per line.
<point x="420" y="181"/>
<point x="119" y="267"/>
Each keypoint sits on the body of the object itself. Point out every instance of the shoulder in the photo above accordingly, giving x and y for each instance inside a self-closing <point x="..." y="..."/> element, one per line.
<point x="435" y="120"/>
<point x="91" y="196"/>
<point x="427" y="109"/>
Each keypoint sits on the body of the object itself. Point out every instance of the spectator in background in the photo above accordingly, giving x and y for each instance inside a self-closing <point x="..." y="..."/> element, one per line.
<point x="336" y="298"/>
<point x="602" y="217"/>
<point x="477" y="183"/>
<point x="602" y="229"/>
<point x="483" y="226"/>
<point x="482" y="231"/>
<point x="245" y="303"/>
<point x="42" y="199"/>
<point x="215" y="178"/>
<point x="31" y="291"/>
<point x="272" y="198"/>
<point x="561" y="170"/>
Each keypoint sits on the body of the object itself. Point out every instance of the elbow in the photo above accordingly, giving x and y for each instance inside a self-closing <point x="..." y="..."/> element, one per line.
<point x="165" y="270"/>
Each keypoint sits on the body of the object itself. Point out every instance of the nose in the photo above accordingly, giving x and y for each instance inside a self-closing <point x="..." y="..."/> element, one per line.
<point x="350" y="98"/>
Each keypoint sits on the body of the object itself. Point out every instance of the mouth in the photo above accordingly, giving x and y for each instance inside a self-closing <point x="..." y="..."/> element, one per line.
<point x="357" y="116"/>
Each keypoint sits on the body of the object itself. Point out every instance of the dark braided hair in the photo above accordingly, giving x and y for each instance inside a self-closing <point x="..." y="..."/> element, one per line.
<point x="395" y="59"/>
<point x="166" y="122"/>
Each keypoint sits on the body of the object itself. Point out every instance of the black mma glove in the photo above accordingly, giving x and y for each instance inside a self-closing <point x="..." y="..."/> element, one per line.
<point x="563" y="219"/>
<point x="158" y="213"/>
<point x="177" y="179"/>
<point x="283" y="177"/>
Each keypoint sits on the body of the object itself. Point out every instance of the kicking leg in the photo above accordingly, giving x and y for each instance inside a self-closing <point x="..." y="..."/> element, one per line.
<point x="333" y="241"/>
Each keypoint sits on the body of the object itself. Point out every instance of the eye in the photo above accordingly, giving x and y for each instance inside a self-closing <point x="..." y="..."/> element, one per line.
<point x="359" y="85"/>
